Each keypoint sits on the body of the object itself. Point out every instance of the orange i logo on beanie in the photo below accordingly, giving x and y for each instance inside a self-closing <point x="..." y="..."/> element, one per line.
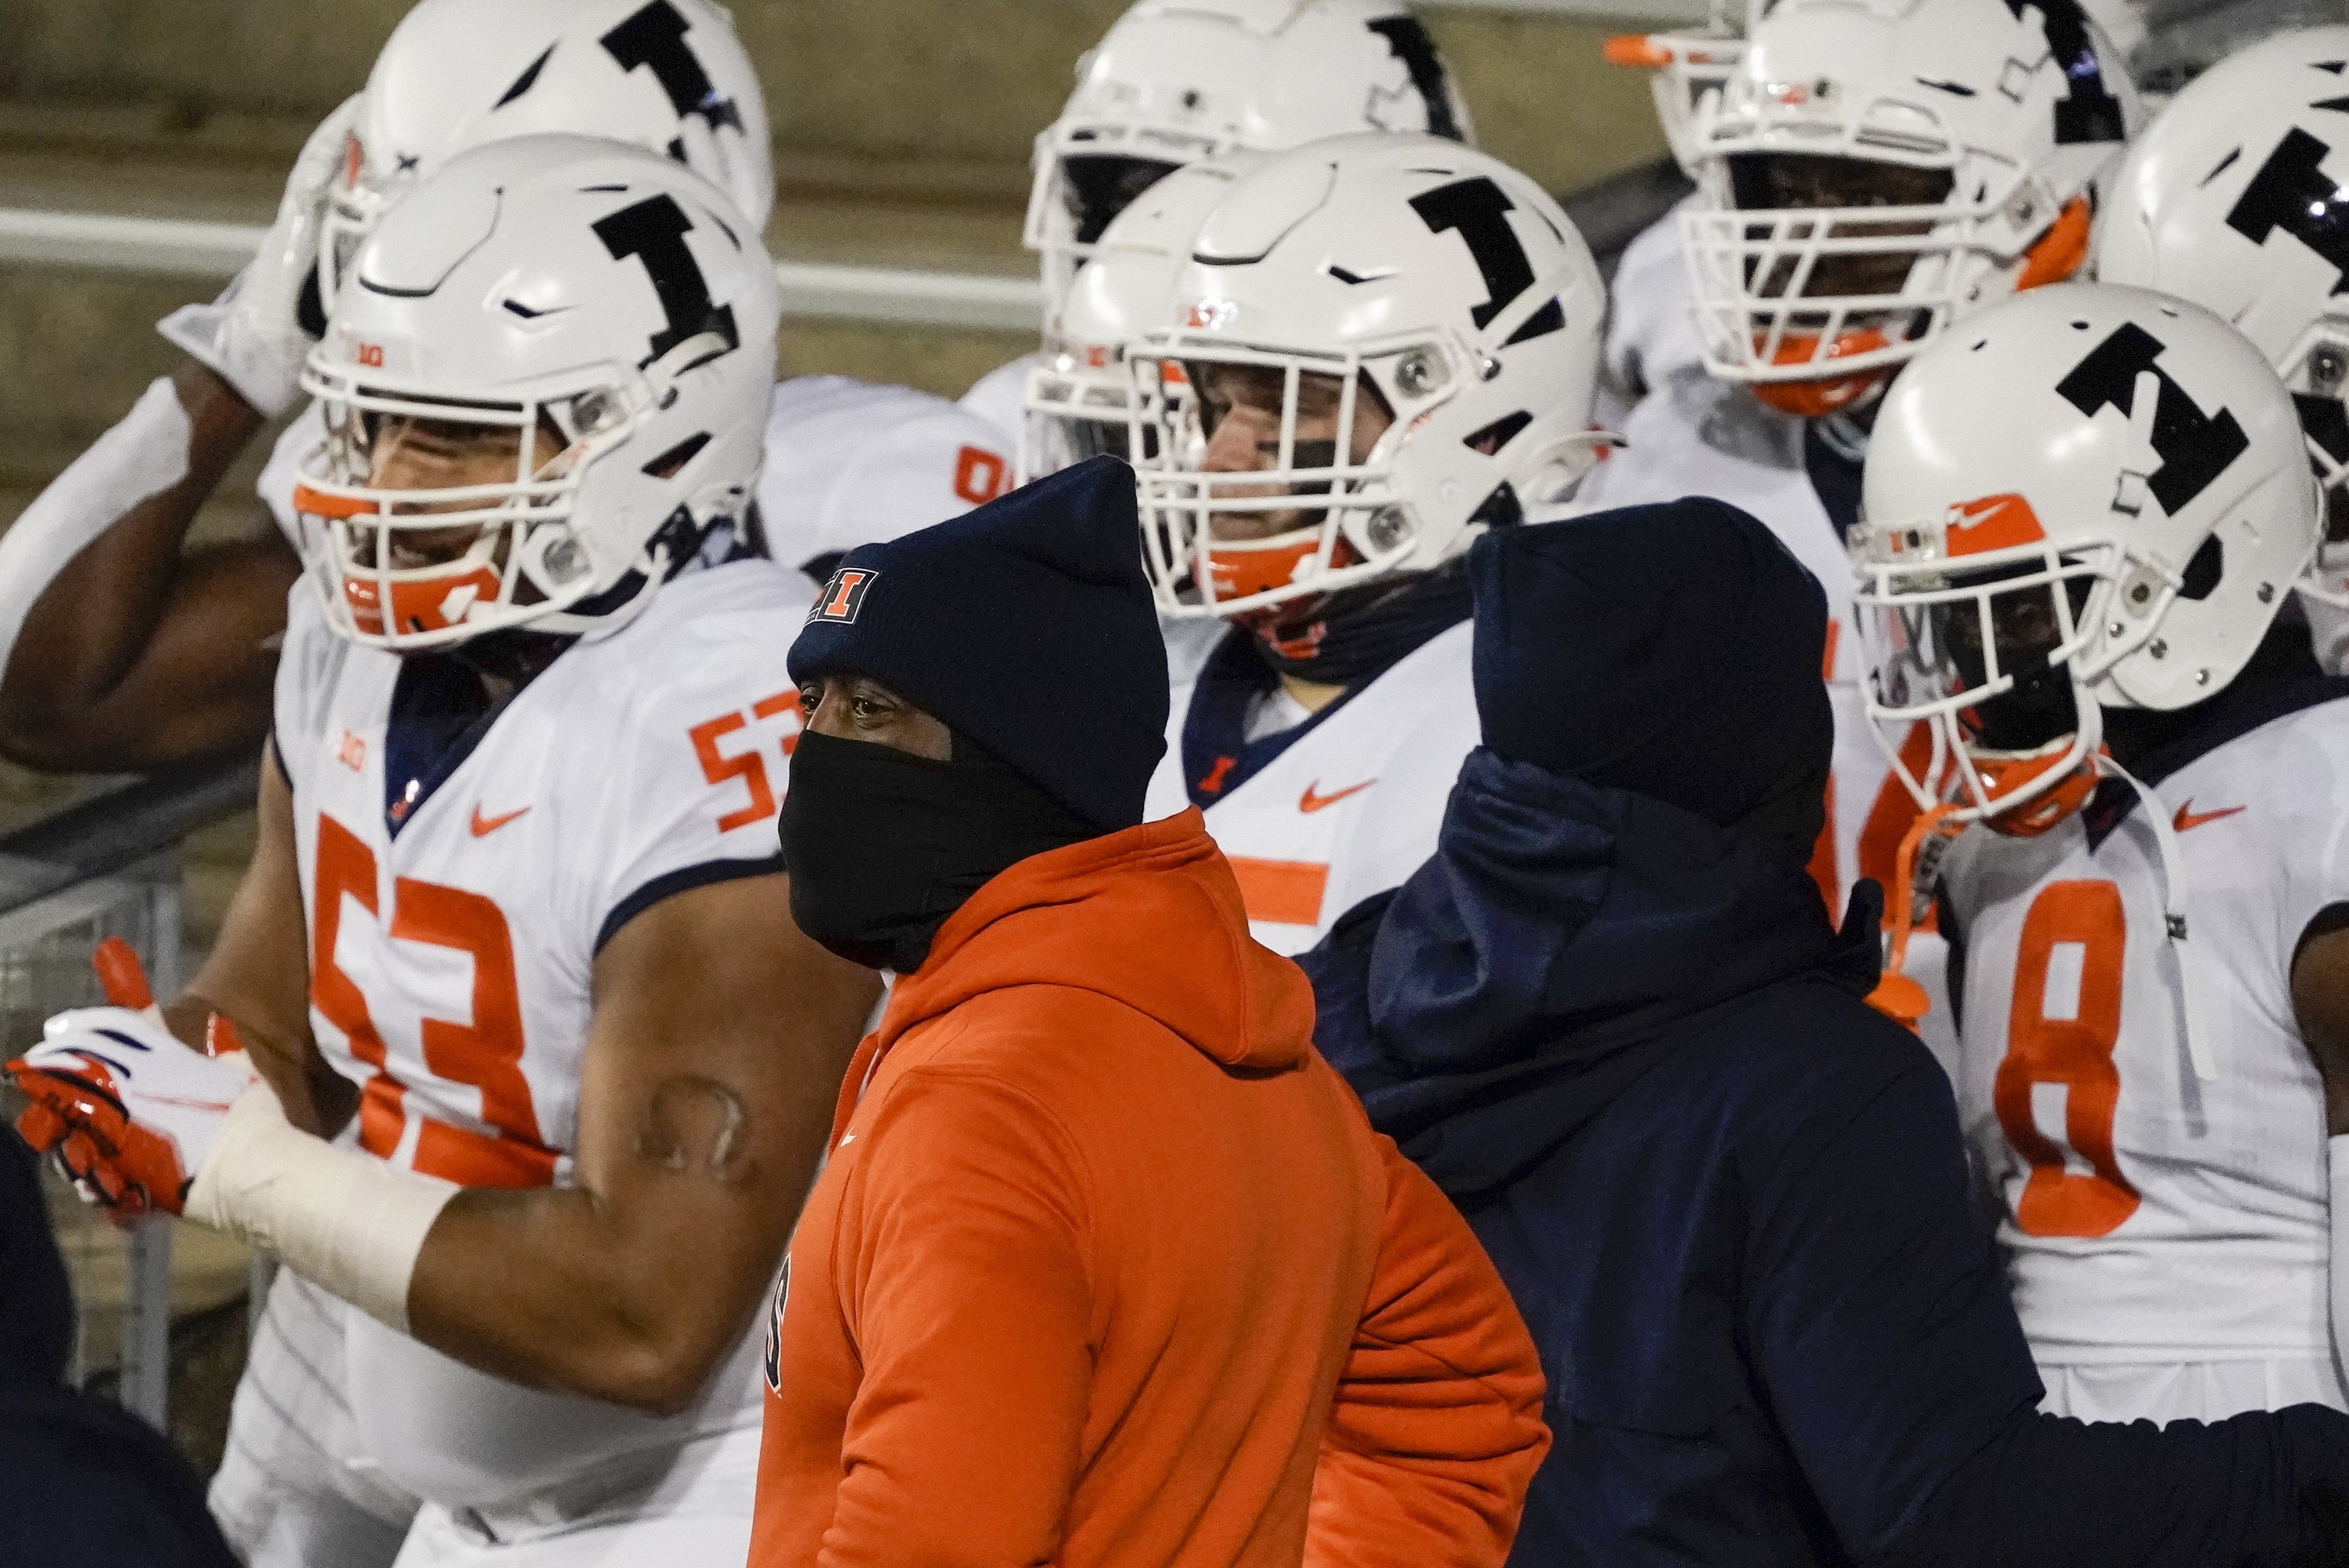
<point x="844" y="594"/>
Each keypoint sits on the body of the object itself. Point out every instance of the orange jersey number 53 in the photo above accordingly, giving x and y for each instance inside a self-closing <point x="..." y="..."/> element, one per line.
<point x="750" y="767"/>
<point x="485" y="1054"/>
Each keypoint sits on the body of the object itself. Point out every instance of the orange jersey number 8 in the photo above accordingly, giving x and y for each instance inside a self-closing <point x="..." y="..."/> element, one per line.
<point x="2064" y="1024"/>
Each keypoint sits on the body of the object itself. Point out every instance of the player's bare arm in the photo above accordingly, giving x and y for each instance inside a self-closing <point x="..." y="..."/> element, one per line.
<point x="2319" y="1005"/>
<point x="258" y="975"/>
<point x="138" y="657"/>
<point x="117" y="650"/>
<point x="713" y="1063"/>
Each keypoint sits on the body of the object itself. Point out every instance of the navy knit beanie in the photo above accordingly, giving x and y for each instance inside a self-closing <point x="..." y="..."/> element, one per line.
<point x="1673" y="650"/>
<point x="1025" y="626"/>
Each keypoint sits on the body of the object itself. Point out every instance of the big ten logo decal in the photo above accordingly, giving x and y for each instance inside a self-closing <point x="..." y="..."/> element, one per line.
<point x="350" y="751"/>
<point x="2058" y="1088"/>
<point x="725" y="758"/>
<point x="483" y="1053"/>
<point x="979" y="475"/>
<point x="371" y="356"/>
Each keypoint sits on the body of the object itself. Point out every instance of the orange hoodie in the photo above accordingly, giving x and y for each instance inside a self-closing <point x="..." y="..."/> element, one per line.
<point x="1108" y="1268"/>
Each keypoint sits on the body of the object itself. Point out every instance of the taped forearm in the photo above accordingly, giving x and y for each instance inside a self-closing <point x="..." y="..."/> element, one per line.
<point x="143" y="456"/>
<point x="344" y="1221"/>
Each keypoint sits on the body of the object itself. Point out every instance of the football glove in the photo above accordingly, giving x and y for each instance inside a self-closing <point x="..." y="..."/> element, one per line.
<point x="252" y="334"/>
<point x="127" y="1111"/>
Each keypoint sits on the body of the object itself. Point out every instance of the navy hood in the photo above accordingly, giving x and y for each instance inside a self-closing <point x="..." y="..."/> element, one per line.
<point x="1564" y="938"/>
<point x="1625" y="857"/>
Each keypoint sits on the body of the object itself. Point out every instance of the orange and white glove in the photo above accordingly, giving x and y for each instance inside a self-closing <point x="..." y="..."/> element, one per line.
<point x="128" y="1111"/>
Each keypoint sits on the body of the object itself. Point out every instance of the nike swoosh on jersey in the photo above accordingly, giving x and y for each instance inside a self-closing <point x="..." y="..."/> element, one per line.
<point x="1309" y="801"/>
<point x="483" y="827"/>
<point x="2188" y="817"/>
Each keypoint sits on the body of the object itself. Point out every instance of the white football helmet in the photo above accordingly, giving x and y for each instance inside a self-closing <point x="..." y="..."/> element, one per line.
<point x="1870" y="173"/>
<point x="1426" y="275"/>
<point x="668" y="75"/>
<point x="591" y="298"/>
<point x="1688" y="65"/>
<point x="2236" y="198"/>
<point x="1077" y="397"/>
<point x="1179" y="81"/>
<point x="2092" y="496"/>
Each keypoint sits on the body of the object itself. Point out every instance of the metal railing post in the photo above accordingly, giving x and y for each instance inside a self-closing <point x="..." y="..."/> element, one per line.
<point x="147" y="1322"/>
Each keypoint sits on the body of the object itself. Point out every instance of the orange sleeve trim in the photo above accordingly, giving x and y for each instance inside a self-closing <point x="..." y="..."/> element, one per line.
<point x="1286" y="892"/>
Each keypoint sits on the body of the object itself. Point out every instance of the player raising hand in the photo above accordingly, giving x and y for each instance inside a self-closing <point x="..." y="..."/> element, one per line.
<point x="547" y="1066"/>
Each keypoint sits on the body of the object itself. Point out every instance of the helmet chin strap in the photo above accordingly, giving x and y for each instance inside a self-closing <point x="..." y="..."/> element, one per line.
<point x="1900" y="998"/>
<point x="2173" y="909"/>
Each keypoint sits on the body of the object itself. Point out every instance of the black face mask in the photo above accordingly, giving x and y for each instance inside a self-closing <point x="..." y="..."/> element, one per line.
<point x="882" y="846"/>
<point x="1339" y="639"/>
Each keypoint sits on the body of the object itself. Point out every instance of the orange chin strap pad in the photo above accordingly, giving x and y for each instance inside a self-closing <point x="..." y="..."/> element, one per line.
<point x="1816" y="400"/>
<point x="1242" y="573"/>
<point x="425" y="606"/>
<point x="2059" y="253"/>
<point x="2034" y="818"/>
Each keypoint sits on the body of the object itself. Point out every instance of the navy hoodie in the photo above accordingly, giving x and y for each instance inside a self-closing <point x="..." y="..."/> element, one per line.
<point x="1731" y="1202"/>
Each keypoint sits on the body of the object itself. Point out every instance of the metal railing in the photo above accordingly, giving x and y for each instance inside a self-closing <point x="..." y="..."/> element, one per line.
<point x="107" y="867"/>
<point x="212" y="253"/>
<point x="122" y="1295"/>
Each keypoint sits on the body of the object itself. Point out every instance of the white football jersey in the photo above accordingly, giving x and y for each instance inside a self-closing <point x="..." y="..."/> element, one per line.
<point x="1692" y="435"/>
<point x="2150" y="1217"/>
<point x="294" y="444"/>
<point x="1352" y="803"/>
<point x="1651" y="324"/>
<point x="453" y="939"/>
<point x="851" y="463"/>
<point x="848" y="463"/>
<point x="1001" y="396"/>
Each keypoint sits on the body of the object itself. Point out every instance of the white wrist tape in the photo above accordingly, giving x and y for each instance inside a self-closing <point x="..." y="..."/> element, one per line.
<point x="2337" y="1152"/>
<point x="144" y="455"/>
<point x="344" y="1221"/>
